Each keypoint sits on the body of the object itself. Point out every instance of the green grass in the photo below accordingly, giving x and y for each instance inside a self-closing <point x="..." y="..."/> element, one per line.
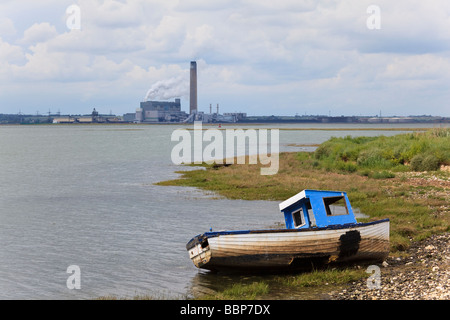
<point x="323" y="277"/>
<point x="239" y="291"/>
<point x="420" y="151"/>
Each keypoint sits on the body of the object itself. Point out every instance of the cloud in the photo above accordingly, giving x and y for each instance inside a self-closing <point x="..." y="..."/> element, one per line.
<point x="7" y="27"/>
<point x="165" y="37"/>
<point x="38" y="32"/>
<point x="418" y="67"/>
<point x="10" y="53"/>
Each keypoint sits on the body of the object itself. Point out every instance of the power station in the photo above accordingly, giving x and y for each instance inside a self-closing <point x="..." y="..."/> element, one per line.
<point x="166" y="111"/>
<point x="160" y="111"/>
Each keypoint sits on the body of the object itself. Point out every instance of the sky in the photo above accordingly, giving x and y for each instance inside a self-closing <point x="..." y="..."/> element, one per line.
<point x="261" y="57"/>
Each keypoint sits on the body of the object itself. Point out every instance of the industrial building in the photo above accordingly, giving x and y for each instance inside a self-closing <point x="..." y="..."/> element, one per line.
<point x="94" y="117"/>
<point x="160" y="111"/>
<point x="167" y="111"/>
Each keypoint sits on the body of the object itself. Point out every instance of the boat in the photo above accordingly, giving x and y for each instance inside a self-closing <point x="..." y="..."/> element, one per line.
<point x="321" y="229"/>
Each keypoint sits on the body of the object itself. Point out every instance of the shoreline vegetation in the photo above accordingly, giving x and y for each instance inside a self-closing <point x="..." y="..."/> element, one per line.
<point x="405" y="178"/>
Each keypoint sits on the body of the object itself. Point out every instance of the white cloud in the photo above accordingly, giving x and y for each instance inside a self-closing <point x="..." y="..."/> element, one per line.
<point x="418" y="67"/>
<point x="39" y="32"/>
<point x="165" y="37"/>
<point x="10" y="53"/>
<point x="7" y="27"/>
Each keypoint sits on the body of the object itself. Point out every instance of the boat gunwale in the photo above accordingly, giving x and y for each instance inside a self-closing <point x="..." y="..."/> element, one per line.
<point x="212" y="234"/>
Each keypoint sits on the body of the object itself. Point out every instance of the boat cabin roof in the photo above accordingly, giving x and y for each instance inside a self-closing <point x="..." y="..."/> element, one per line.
<point x="316" y="208"/>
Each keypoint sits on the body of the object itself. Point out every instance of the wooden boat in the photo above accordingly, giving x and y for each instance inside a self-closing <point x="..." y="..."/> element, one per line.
<point x="321" y="228"/>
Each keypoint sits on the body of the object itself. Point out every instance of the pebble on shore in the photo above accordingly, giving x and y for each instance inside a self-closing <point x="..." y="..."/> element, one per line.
<point x="423" y="275"/>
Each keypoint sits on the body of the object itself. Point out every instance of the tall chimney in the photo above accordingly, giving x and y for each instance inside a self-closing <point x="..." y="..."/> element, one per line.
<point x="193" y="92"/>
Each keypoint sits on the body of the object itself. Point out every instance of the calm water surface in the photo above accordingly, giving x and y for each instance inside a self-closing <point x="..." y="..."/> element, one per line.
<point x="84" y="195"/>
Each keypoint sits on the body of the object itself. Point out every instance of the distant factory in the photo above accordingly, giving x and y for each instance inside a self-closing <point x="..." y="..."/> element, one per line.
<point x="160" y="111"/>
<point x="167" y="111"/>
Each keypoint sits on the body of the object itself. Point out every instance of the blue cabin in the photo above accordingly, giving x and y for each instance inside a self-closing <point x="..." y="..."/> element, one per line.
<point x="317" y="209"/>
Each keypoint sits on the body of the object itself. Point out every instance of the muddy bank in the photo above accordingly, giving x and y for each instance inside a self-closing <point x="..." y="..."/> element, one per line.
<point x="422" y="274"/>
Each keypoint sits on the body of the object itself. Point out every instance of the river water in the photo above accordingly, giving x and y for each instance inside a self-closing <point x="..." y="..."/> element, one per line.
<point x="84" y="195"/>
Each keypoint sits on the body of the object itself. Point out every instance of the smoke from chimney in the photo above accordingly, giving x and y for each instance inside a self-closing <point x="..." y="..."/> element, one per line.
<point x="168" y="89"/>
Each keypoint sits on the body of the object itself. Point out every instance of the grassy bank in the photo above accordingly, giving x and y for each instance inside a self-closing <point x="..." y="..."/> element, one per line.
<point x="425" y="151"/>
<point x="383" y="176"/>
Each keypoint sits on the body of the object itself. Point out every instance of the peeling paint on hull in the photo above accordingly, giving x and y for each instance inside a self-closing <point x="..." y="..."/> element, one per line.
<point x="288" y="249"/>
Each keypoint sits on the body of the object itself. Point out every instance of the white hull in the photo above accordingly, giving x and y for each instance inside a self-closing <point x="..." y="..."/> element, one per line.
<point x="268" y="249"/>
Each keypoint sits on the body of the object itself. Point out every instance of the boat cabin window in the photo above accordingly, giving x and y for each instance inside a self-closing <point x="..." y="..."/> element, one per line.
<point x="298" y="217"/>
<point x="335" y="206"/>
<point x="310" y="213"/>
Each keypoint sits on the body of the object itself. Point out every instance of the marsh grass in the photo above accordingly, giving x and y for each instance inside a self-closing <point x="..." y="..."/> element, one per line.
<point x="240" y="291"/>
<point x="323" y="277"/>
<point x="424" y="151"/>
